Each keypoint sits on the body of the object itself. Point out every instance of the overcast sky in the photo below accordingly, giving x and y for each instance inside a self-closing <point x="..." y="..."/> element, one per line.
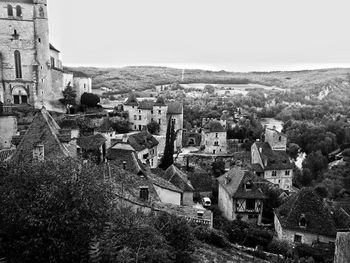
<point x="237" y="35"/>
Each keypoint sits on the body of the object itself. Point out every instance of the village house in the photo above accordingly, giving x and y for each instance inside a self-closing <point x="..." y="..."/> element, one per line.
<point x="214" y="138"/>
<point x="180" y="179"/>
<point x="146" y="147"/>
<point x="92" y="148"/>
<point x="306" y="218"/>
<point x="270" y="160"/>
<point x="44" y="139"/>
<point x="239" y="197"/>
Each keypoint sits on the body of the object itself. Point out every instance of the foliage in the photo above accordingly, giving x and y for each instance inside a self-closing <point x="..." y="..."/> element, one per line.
<point x="168" y="157"/>
<point x="218" y="168"/>
<point x="279" y="247"/>
<point x="89" y="100"/>
<point x="69" y="96"/>
<point x="209" y="88"/>
<point x="293" y="150"/>
<point x="49" y="211"/>
<point x="153" y="127"/>
<point x="211" y="236"/>
<point x="315" y="162"/>
<point x="121" y="126"/>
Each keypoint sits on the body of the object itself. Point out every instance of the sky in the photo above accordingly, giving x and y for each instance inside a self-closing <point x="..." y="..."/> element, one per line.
<point x="235" y="35"/>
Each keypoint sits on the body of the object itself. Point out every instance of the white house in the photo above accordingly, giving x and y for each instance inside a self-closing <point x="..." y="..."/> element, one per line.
<point x="214" y="138"/>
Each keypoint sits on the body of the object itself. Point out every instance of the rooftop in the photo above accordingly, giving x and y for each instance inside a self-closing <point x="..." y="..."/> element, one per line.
<point x="93" y="142"/>
<point x="177" y="178"/>
<point x="142" y="140"/>
<point x="175" y="108"/>
<point x="214" y="126"/>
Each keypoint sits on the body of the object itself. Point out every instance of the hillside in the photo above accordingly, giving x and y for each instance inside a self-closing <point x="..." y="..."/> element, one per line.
<point x="143" y="77"/>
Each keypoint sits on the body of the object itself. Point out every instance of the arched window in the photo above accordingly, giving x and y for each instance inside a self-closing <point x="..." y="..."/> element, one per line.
<point x="18" y="10"/>
<point x="9" y="10"/>
<point x="18" y="64"/>
<point x="41" y="11"/>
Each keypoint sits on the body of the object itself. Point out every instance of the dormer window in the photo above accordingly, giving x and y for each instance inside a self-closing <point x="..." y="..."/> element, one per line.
<point x="249" y="186"/>
<point x="302" y="221"/>
<point x="38" y="152"/>
<point x="144" y="193"/>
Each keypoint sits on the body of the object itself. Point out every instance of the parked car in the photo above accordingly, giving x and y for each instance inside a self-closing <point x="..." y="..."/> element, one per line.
<point x="206" y="202"/>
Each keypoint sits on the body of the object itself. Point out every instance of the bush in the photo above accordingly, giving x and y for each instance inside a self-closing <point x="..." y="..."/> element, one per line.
<point x="278" y="247"/>
<point x="211" y="236"/>
<point x="258" y="237"/>
<point x="89" y="100"/>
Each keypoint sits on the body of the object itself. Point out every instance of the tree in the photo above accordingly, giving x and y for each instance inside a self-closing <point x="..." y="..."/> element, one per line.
<point x="316" y="163"/>
<point x="69" y="97"/>
<point x="50" y="211"/>
<point x="121" y="126"/>
<point x="293" y="150"/>
<point x="153" y="127"/>
<point x="168" y="157"/>
<point x="89" y="100"/>
<point x="209" y="88"/>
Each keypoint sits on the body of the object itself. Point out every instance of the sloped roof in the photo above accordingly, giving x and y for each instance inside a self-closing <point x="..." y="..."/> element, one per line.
<point x="214" y="126"/>
<point x="257" y="167"/>
<point x="43" y="130"/>
<point x="275" y="160"/>
<point x="79" y="74"/>
<point x="160" y="102"/>
<point x="201" y="181"/>
<point x="142" y="140"/>
<point x="53" y="48"/>
<point x="234" y="183"/>
<point x="123" y="152"/>
<point x="93" y="142"/>
<point x="319" y="218"/>
<point x="146" y="104"/>
<point x="21" y="1"/>
<point x="178" y="178"/>
<point x="175" y="108"/>
<point x="131" y="101"/>
<point x="161" y="182"/>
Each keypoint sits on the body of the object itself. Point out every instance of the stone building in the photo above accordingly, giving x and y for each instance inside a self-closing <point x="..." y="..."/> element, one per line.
<point x="30" y="68"/>
<point x="270" y="160"/>
<point x="214" y="138"/>
<point x="306" y="218"/>
<point x="240" y="197"/>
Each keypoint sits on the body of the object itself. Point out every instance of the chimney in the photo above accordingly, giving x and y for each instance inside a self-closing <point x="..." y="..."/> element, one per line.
<point x="125" y="138"/>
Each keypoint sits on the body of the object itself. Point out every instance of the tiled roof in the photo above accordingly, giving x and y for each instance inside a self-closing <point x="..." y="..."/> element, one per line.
<point x="257" y="168"/>
<point x="161" y="182"/>
<point x="175" y="107"/>
<point x="123" y="152"/>
<point x="343" y="203"/>
<point x="68" y="123"/>
<point x="319" y="218"/>
<point x="53" y="48"/>
<point x="43" y="130"/>
<point x="160" y="102"/>
<point x="201" y="181"/>
<point x="214" y="126"/>
<point x="178" y="178"/>
<point x="132" y="100"/>
<point x="142" y="140"/>
<point x="234" y="182"/>
<point x="79" y="74"/>
<point x="92" y="142"/>
<point x="275" y="160"/>
<point x="64" y="135"/>
<point x="146" y="105"/>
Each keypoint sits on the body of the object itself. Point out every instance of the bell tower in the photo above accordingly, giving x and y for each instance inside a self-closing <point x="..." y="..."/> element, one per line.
<point x="41" y="72"/>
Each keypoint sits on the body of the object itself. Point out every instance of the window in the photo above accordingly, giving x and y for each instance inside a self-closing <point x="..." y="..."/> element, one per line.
<point x="140" y="117"/>
<point x="39" y="40"/>
<point x="297" y="238"/>
<point x="216" y="135"/>
<point x="139" y="111"/>
<point x="9" y="10"/>
<point x="144" y="193"/>
<point x="279" y="138"/>
<point x="173" y="121"/>
<point x="15" y="34"/>
<point x="274" y="173"/>
<point x="41" y="12"/>
<point x="302" y="221"/>
<point x="250" y="204"/>
<point x="287" y="172"/>
<point x="18" y="11"/>
<point x="159" y="112"/>
<point x="38" y="152"/>
<point x="135" y="117"/>
<point x="16" y="99"/>
<point x="151" y="111"/>
<point x="248" y="186"/>
<point x="216" y="143"/>
<point x="159" y="121"/>
<point x="52" y="62"/>
<point x="18" y="64"/>
<point x="213" y="151"/>
<point x="24" y="99"/>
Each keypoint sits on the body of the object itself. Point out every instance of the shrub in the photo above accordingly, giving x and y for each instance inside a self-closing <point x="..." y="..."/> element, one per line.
<point x="279" y="247"/>
<point x="211" y="236"/>
<point x="89" y="99"/>
<point x="258" y="237"/>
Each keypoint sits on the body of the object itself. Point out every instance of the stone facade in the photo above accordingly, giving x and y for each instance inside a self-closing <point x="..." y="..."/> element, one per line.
<point x="292" y="236"/>
<point x="214" y="142"/>
<point x="82" y="84"/>
<point x="8" y="128"/>
<point x="30" y="68"/>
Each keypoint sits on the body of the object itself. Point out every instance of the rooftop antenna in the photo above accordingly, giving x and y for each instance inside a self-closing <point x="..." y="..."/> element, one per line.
<point x="183" y="75"/>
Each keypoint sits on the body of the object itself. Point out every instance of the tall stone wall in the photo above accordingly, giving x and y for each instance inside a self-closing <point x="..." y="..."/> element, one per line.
<point x="342" y="248"/>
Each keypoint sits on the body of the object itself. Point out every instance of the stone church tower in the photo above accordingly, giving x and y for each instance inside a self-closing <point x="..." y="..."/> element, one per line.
<point x="25" y="70"/>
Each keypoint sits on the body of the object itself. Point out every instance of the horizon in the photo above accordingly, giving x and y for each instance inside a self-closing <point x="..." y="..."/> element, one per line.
<point x="232" y="36"/>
